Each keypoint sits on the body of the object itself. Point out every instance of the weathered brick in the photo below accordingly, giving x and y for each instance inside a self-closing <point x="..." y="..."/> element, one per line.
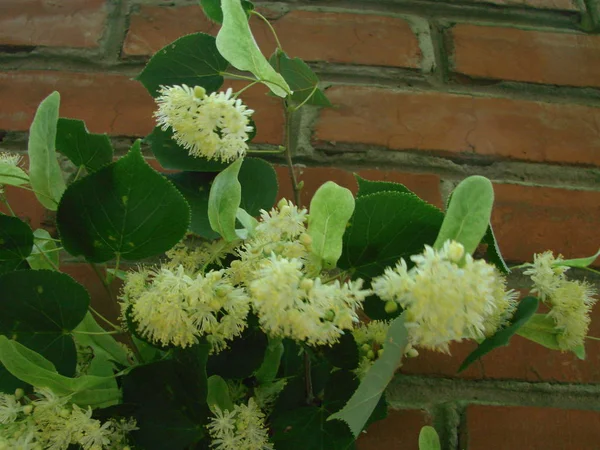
<point x="426" y="186"/>
<point x="112" y="103"/>
<point x="526" y="55"/>
<point x="65" y="23"/>
<point x="399" y="430"/>
<point x="530" y="220"/>
<point x="562" y="5"/>
<point x="510" y="428"/>
<point x="26" y="206"/>
<point x="462" y="125"/>
<point x="313" y="36"/>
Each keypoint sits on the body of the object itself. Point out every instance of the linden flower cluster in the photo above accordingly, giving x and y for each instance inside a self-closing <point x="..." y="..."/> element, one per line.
<point x="172" y="306"/>
<point x="51" y="422"/>
<point x="570" y="301"/>
<point x="448" y="296"/>
<point x="243" y="428"/>
<point x="214" y="126"/>
<point x="281" y="275"/>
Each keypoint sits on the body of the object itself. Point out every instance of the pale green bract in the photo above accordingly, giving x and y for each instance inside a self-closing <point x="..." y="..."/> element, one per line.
<point x="468" y="215"/>
<point x="330" y="210"/>
<point x="224" y="200"/>
<point x="237" y="45"/>
<point x="218" y="394"/>
<point x="43" y="254"/>
<point x="429" y="439"/>
<point x="12" y="175"/>
<point x="44" y="171"/>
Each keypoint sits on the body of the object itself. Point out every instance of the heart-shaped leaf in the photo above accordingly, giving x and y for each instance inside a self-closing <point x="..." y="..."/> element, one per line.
<point x="16" y="239"/>
<point x="83" y="148"/>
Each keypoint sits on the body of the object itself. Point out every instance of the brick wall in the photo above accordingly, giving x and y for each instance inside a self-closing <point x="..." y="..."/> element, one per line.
<point x="425" y="92"/>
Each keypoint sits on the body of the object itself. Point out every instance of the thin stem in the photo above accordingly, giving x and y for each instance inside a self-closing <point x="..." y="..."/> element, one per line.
<point x="78" y="173"/>
<point x="593" y="338"/>
<point x="592" y="270"/>
<point x="248" y="86"/>
<point x="240" y="77"/>
<point x="98" y="333"/>
<point x="110" y="276"/>
<point x="521" y="266"/>
<point x="100" y="316"/>
<point x="48" y="239"/>
<point x="265" y="20"/>
<point x="279" y="150"/>
<point x="306" y="99"/>
<point x="104" y="282"/>
<point x="308" y="379"/>
<point x="5" y="201"/>
<point x="288" y="156"/>
<point x="47" y="258"/>
<point x="37" y="193"/>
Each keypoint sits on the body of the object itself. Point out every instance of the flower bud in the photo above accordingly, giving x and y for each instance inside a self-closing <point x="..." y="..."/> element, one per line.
<point x="19" y="393"/>
<point x="456" y="251"/>
<point x="199" y="92"/>
<point x="380" y="353"/>
<point x="391" y="307"/>
<point x="370" y="354"/>
<point x="27" y="409"/>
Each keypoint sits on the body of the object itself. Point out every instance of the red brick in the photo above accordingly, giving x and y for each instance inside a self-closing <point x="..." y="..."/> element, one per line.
<point x="522" y="55"/>
<point x="399" y="430"/>
<point x="64" y="23"/>
<point x="111" y="103"/>
<point x="426" y="186"/>
<point x="520" y="360"/>
<point x="26" y="206"/>
<point x="462" y="125"/>
<point x="562" y="220"/>
<point x="564" y="5"/>
<point x="510" y="428"/>
<point x="312" y="36"/>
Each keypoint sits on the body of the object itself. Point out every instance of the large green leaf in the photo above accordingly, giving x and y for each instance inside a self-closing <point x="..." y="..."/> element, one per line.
<point x="224" y="200"/>
<point x="192" y="60"/>
<point x="236" y="43"/>
<point x="330" y="209"/>
<point x="212" y="9"/>
<point x="361" y="405"/>
<point x="16" y="239"/>
<point x="38" y="308"/>
<point x="526" y="309"/>
<point x="44" y="171"/>
<point x="468" y="216"/>
<point x="172" y="156"/>
<point x="103" y="345"/>
<point x="44" y="254"/>
<point x="301" y="79"/>
<point x="125" y="209"/>
<point x="343" y="354"/>
<point x="83" y="148"/>
<point x="259" y="185"/>
<point x="366" y="187"/>
<point x="32" y="368"/>
<point x="160" y="397"/>
<point x="12" y="175"/>
<point x="308" y="428"/>
<point x="493" y="251"/>
<point x="429" y="439"/>
<point x="541" y="328"/>
<point x="387" y="226"/>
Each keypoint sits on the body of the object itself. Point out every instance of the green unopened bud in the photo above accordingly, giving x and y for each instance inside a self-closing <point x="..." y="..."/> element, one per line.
<point x="19" y="393"/>
<point x="366" y="348"/>
<point x="380" y="353"/>
<point x="281" y="203"/>
<point x="391" y="307"/>
<point x="329" y="316"/>
<point x="27" y="409"/>
<point x="412" y="353"/>
<point x="199" y="92"/>
<point x="64" y="413"/>
<point x="370" y="354"/>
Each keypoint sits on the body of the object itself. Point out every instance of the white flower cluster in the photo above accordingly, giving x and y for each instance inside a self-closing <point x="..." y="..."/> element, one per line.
<point x="176" y="307"/>
<point x="11" y="159"/>
<point x="570" y="301"/>
<point x="52" y="422"/>
<point x="214" y="126"/>
<point x="240" y="429"/>
<point x="448" y="296"/>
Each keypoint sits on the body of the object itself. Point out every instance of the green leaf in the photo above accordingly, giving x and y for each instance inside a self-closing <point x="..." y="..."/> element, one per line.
<point x="366" y="187"/>
<point x="541" y="329"/>
<point x="237" y="45"/>
<point x="12" y="175"/>
<point x="38" y="308"/>
<point x="43" y="254"/>
<point x="330" y="209"/>
<point x="172" y="156"/>
<point x="159" y="396"/>
<point x="103" y="345"/>
<point x="527" y="307"/>
<point x="359" y="408"/>
<point x="343" y="354"/>
<point x="16" y="239"/>
<point x="308" y="427"/>
<point x="125" y="208"/>
<point x="83" y="148"/>
<point x="493" y="251"/>
<point x="34" y="369"/>
<point x="218" y="394"/>
<point x="302" y="80"/>
<point x="259" y="185"/>
<point x="468" y="215"/>
<point x="579" y="262"/>
<point x="387" y="226"/>
<point x="224" y="200"/>
<point x="212" y="9"/>
<point x="267" y="372"/>
<point x="192" y="60"/>
<point x="44" y="171"/>
<point x="429" y="439"/>
<point x="242" y="358"/>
